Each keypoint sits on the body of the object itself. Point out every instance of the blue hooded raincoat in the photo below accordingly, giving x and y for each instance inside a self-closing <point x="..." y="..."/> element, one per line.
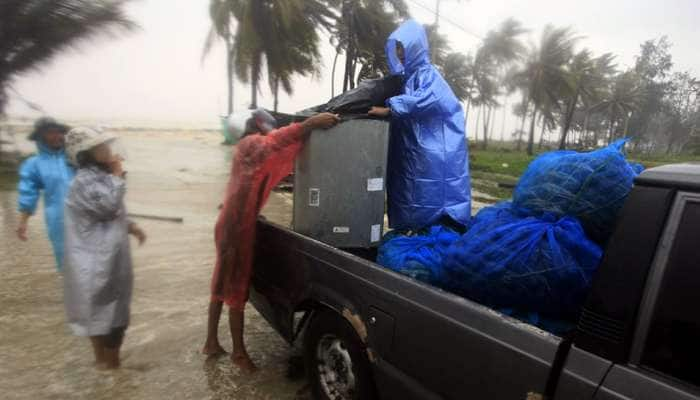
<point x="50" y="172"/>
<point x="428" y="174"/>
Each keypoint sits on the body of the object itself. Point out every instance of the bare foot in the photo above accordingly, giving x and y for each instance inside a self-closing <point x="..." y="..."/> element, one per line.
<point x="213" y="349"/>
<point x="244" y="363"/>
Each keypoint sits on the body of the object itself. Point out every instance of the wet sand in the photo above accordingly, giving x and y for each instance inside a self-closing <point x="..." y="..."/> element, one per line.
<point x="180" y="174"/>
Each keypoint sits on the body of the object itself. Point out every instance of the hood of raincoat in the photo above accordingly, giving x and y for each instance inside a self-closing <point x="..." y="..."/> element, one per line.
<point x="414" y="40"/>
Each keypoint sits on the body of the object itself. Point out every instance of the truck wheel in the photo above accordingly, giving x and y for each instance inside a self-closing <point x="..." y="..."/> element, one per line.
<point x="336" y="363"/>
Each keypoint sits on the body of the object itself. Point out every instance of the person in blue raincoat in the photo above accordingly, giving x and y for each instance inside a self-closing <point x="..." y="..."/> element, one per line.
<point x="48" y="171"/>
<point x="428" y="171"/>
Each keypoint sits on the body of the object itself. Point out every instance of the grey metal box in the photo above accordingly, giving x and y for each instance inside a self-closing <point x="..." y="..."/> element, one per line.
<point x="339" y="184"/>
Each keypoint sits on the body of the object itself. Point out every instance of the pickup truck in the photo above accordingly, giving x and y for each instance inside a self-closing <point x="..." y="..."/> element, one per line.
<point x="371" y="333"/>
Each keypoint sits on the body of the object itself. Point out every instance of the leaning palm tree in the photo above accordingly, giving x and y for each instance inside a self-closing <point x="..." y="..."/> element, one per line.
<point x="456" y="71"/>
<point x="624" y="97"/>
<point x="500" y="49"/>
<point x="275" y="32"/>
<point x="546" y="72"/>
<point x="33" y="32"/>
<point x="221" y="14"/>
<point x="456" y="68"/>
<point x="587" y="76"/>
<point x="360" y="33"/>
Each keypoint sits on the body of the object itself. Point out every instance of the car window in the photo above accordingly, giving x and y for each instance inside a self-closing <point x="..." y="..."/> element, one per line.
<point x="673" y="343"/>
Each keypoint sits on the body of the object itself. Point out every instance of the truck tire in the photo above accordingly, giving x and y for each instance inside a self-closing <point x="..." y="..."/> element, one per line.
<point x="335" y="359"/>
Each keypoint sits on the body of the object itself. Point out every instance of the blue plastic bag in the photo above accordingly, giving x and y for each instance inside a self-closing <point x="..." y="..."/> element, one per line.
<point x="530" y="264"/>
<point x="419" y="256"/>
<point x="589" y="186"/>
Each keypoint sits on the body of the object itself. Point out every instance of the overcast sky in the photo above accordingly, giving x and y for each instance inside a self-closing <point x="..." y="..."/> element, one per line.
<point x="156" y="75"/>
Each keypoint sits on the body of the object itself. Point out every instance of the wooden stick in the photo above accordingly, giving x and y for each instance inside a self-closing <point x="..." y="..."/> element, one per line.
<point x="178" y="220"/>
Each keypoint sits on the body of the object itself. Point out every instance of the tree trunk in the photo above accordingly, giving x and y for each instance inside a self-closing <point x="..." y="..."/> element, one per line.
<point x="492" y="123"/>
<point x="276" y="93"/>
<point x="627" y="124"/>
<point x="255" y="80"/>
<point x="335" y="62"/>
<point x="585" y="125"/>
<point x="348" y="64"/>
<point x="539" y="145"/>
<point x="611" y="128"/>
<point x="487" y="116"/>
<point x="568" y="117"/>
<point x="353" y="72"/>
<point x="466" y="116"/>
<point x="531" y="136"/>
<point x="229" y="73"/>
<point x="476" y="126"/>
<point x="503" y="124"/>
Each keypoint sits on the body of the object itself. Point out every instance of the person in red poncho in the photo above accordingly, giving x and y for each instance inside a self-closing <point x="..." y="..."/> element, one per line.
<point x="263" y="157"/>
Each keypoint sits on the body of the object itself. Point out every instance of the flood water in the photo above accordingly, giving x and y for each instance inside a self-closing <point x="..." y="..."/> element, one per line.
<point x="180" y="175"/>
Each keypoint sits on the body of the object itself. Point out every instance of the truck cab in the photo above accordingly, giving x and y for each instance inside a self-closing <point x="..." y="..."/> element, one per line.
<point x="372" y="333"/>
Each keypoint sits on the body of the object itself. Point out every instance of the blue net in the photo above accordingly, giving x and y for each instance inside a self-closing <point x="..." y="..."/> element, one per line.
<point x="419" y="256"/>
<point x="589" y="186"/>
<point x="508" y="260"/>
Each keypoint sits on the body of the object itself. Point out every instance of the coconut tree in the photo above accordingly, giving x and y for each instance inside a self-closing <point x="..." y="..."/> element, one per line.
<point x="221" y="15"/>
<point x="456" y="70"/>
<point x="360" y="33"/>
<point x="587" y="77"/>
<point x="281" y="34"/>
<point x="546" y="72"/>
<point x="500" y="49"/>
<point x="623" y="98"/>
<point x="33" y="32"/>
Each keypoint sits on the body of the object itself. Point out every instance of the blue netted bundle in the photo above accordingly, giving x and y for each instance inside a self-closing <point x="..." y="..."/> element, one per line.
<point x="419" y="256"/>
<point x="589" y="186"/>
<point x="508" y="260"/>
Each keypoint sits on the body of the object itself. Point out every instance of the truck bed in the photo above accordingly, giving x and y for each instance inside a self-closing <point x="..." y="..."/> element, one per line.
<point x="413" y="325"/>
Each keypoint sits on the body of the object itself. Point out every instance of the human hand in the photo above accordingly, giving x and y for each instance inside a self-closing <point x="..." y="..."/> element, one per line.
<point x="22" y="231"/>
<point x="379" y="111"/>
<point x="138" y="233"/>
<point x="115" y="167"/>
<point x="321" y="121"/>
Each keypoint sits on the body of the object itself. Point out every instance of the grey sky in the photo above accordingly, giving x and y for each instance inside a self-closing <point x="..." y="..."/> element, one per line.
<point x="155" y="75"/>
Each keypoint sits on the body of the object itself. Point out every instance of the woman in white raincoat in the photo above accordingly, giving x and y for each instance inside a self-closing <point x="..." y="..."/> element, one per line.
<point x="98" y="276"/>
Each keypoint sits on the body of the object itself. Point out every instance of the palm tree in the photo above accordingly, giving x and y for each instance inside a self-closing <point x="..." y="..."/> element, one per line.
<point x="294" y="39"/>
<point x="546" y="72"/>
<point x="221" y="14"/>
<point x="623" y="98"/>
<point x="33" y="32"/>
<point x="587" y="77"/>
<point x="486" y="87"/>
<point x="499" y="50"/>
<point x="280" y="33"/>
<point x="456" y="68"/>
<point x="360" y="33"/>
<point x="456" y="71"/>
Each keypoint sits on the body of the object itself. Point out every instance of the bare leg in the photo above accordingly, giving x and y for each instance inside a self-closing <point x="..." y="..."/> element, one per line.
<point x="240" y="355"/>
<point x="112" y="344"/>
<point x="98" y="349"/>
<point x="112" y="358"/>
<point x="212" y="345"/>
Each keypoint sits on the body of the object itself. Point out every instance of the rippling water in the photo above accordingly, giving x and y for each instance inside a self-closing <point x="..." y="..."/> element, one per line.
<point x="169" y="174"/>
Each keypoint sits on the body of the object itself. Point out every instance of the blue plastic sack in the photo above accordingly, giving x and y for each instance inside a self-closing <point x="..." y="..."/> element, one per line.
<point x="589" y="186"/>
<point x="419" y="256"/>
<point x="507" y="260"/>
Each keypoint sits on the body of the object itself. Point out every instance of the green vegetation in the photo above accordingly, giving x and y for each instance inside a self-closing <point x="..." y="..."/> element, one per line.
<point x="496" y="171"/>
